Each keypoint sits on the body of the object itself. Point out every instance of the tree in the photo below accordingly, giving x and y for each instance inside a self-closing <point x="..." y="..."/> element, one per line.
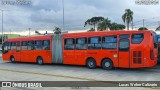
<point x="127" y="17"/>
<point x="93" y="21"/>
<point x="91" y="30"/>
<point x="115" y="26"/>
<point x="142" y="28"/>
<point x="37" y="32"/>
<point x="104" y="25"/>
<point x="57" y="30"/>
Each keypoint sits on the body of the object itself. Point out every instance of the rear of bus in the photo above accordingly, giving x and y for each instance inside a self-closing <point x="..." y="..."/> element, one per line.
<point x="153" y="44"/>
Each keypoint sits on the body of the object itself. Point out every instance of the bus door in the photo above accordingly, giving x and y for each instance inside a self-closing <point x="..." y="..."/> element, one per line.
<point x="124" y="52"/>
<point x="81" y="51"/>
<point x="24" y="51"/>
<point x="18" y="52"/>
<point x="69" y="51"/>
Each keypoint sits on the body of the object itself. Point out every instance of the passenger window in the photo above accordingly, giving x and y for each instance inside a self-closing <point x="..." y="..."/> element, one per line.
<point x="13" y="46"/>
<point x="81" y="43"/>
<point x="30" y="45"/>
<point x="9" y="45"/>
<point x="137" y="38"/>
<point x="109" y="42"/>
<point x="124" y="45"/>
<point x="124" y="36"/>
<point x="24" y="45"/>
<point x="69" y="44"/>
<point x="46" y="45"/>
<point x="94" y="43"/>
<point x="18" y="46"/>
<point x="38" y="45"/>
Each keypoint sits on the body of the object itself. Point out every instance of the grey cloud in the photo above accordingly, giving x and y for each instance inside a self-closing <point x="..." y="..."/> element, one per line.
<point x="48" y="13"/>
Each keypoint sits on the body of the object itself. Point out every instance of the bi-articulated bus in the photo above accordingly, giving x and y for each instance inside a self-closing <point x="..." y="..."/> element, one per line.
<point x="106" y="49"/>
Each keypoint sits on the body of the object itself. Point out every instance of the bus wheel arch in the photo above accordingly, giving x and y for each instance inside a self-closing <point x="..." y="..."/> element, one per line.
<point x="12" y="59"/>
<point x="107" y="64"/>
<point x="91" y="63"/>
<point x="39" y="60"/>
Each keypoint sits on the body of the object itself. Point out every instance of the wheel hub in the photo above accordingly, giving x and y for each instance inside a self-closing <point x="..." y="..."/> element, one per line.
<point x="107" y="64"/>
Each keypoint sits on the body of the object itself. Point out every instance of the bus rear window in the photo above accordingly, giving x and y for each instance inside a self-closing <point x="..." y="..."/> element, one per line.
<point x="155" y="40"/>
<point x="137" y="38"/>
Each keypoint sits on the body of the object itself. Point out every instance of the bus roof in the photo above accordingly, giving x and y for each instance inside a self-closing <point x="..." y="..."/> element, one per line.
<point x="104" y="33"/>
<point x="77" y="34"/>
<point x="30" y="38"/>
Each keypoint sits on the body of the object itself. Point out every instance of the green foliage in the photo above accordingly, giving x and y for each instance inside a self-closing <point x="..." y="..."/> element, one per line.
<point x="91" y="30"/>
<point x="57" y="30"/>
<point x="115" y="26"/>
<point x="104" y="25"/>
<point x="142" y="28"/>
<point x="127" y="17"/>
<point x="93" y="21"/>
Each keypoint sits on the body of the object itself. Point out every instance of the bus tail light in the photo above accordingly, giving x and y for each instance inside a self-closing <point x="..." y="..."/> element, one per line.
<point x="151" y="54"/>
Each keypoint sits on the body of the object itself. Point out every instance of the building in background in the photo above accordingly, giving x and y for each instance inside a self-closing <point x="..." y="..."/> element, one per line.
<point x="7" y="36"/>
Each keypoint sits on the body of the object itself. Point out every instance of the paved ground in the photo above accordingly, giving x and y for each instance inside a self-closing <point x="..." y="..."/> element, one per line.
<point x="33" y="72"/>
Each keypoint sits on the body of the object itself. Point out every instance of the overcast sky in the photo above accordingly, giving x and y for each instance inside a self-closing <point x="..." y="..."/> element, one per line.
<point x="45" y="14"/>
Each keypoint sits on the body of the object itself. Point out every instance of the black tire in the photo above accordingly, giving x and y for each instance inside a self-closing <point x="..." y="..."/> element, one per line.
<point x="40" y="61"/>
<point x="107" y="64"/>
<point x="12" y="59"/>
<point x="91" y="63"/>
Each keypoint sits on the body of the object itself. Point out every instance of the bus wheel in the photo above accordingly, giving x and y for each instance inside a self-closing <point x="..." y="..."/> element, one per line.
<point x="91" y="63"/>
<point x="39" y="60"/>
<point x="12" y="59"/>
<point x="107" y="64"/>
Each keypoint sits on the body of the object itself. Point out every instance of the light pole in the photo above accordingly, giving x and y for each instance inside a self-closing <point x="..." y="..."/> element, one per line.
<point x="63" y="14"/>
<point x="132" y="24"/>
<point x="2" y="22"/>
<point x="143" y="24"/>
<point x="2" y="25"/>
<point x="29" y="31"/>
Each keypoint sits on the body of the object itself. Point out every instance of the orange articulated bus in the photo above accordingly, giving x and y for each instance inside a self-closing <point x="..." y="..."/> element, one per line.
<point x="106" y="49"/>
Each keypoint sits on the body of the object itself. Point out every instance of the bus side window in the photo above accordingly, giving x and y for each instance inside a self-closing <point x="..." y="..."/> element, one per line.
<point x="24" y="45"/>
<point x="81" y="43"/>
<point x="18" y="46"/>
<point x="137" y="38"/>
<point x="94" y="43"/>
<point x="124" y="36"/>
<point x="13" y="45"/>
<point x="30" y="45"/>
<point x="46" y="45"/>
<point x="9" y="46"/>
<point x="109" y="42"/>
<point x="69" y="44"/>
<point x="38" y="45"/>
<point x="124" y="45"/>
